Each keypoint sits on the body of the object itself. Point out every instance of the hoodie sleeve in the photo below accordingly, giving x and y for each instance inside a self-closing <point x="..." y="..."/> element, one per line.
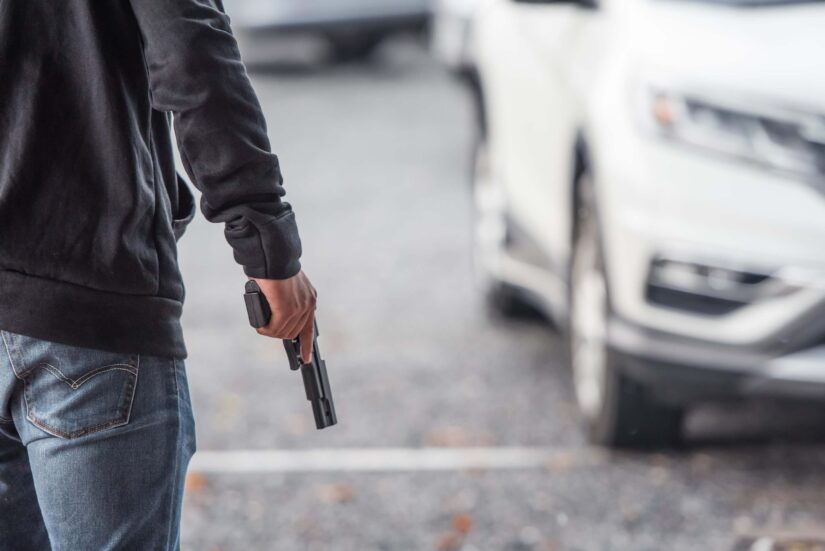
<point x="195" y="72"/>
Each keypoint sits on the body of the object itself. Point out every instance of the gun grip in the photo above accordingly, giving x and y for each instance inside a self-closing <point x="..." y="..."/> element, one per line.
<point x="257" y="308"/>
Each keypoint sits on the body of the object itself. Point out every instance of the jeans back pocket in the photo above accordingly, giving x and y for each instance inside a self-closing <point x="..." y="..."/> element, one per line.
<point x="69" y="390"/>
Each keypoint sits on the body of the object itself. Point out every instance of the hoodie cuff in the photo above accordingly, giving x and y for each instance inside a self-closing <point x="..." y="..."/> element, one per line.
<point x="268" y="248"/>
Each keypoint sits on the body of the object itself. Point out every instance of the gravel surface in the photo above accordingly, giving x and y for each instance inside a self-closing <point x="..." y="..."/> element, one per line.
<point x="375" y="160"/>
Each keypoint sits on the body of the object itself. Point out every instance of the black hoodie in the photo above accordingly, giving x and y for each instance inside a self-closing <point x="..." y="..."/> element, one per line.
<point x="90" y="202"/>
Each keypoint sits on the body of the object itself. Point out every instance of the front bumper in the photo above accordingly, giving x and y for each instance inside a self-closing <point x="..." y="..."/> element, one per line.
<point x="681" y="370"/>
<point x="658" y="200"/>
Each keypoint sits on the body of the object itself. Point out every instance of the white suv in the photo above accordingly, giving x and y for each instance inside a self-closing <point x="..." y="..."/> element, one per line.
<point x="652" y="174"/>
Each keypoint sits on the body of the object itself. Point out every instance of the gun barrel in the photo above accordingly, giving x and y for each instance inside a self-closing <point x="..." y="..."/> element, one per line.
<point x="316" y="384"/>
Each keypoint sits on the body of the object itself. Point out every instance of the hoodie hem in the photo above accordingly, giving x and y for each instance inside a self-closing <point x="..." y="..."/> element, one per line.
<point x="79" y="316"/>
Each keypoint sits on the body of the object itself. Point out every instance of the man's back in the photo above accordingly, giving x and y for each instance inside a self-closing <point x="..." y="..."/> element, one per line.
<point x="90" y="203"/>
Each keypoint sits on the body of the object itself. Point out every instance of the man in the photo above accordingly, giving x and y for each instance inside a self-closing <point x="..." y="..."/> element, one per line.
<point x="96" y="427"/>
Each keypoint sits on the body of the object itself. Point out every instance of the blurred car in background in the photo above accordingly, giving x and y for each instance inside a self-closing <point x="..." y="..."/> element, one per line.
<point x="353" y="27"/>
<point x="451" y="30"/>
<point x="652" y="175"/>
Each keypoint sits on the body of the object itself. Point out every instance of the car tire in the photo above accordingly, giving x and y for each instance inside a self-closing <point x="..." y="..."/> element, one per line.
<point x="490" y="236"/>
<point x="617" y="410"/>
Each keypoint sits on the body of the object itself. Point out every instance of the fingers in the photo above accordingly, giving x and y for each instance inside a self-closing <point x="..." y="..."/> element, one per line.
<point x="292" y="302"/>
<point x="282" y="327"/>
<point x="295" y="325"/>
<point x="307" y="336"/>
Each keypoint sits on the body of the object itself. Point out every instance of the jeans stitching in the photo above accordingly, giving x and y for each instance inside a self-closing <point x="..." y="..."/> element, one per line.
<point x="77" y="383"/>
<point x="174" y="492"/>
<point x="134" y="388"/>
<point x="119" y="421"/>
<point x="18" y="354"/>
<point x="175" y="377"/>
<point x="8" y="353"/>
<point x="122" y="419"/>
<point x="6" y="346"/>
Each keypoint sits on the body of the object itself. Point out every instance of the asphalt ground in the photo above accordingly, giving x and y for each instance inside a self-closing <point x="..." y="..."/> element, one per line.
<point x="428" y="385"/>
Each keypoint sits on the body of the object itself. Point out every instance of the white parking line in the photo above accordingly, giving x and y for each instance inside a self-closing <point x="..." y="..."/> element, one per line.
<point x="386" y="459"/>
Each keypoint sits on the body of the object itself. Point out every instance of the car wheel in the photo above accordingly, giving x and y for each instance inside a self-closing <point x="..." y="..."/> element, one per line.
<point x="490" y="240"/>
<point x="617" y="410"/>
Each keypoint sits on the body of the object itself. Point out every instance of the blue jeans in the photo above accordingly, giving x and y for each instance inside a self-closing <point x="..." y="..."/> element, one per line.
<point x="94" y="448"/>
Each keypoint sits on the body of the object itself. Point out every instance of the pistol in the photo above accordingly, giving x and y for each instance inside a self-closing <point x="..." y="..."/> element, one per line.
<point x="316" y="382"/>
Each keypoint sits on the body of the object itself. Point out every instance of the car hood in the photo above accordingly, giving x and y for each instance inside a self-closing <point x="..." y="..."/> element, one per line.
<point x="772" y="54"/>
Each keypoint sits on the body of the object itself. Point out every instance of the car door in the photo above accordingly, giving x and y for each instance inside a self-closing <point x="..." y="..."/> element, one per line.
<point x="528" y="56"/>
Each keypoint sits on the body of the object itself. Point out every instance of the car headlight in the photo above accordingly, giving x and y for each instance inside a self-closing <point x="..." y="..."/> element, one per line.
<point x="790" y="142"/>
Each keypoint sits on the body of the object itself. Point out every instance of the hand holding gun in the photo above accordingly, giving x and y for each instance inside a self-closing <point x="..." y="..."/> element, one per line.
<point x="316" y="383"/>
